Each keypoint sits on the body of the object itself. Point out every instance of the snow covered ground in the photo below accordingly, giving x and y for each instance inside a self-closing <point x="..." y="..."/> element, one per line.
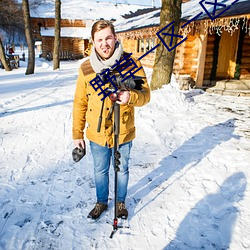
<point x="189" y="170"/>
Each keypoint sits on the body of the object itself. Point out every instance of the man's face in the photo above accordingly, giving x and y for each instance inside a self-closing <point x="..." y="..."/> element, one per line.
<point x="104" y="42"/>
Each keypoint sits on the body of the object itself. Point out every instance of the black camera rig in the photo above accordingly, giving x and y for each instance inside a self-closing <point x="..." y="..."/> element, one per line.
<point x="126" y="83"/>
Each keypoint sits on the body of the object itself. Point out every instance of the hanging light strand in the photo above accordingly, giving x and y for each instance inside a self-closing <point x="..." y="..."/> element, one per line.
<point x="218" y="26"/>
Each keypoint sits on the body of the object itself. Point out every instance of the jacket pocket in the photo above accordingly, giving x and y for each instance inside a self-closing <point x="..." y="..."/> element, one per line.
<point x="127" y="120"/>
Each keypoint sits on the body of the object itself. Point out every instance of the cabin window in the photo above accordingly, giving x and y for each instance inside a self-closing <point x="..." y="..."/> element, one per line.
<point x="145" y="44"/>
<point x="152" y="44"/>
<point x="140" y="45"/>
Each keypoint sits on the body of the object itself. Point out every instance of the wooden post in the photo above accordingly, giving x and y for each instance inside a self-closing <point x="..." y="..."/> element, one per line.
<point x="201" y="60"/>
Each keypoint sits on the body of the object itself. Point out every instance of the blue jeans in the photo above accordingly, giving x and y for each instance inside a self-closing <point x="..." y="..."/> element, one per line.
<point x="102" y="157"/>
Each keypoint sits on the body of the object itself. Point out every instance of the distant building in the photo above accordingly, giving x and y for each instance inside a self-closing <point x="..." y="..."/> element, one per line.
<point x="77" y="19"/>
<point x="74" y="36"/>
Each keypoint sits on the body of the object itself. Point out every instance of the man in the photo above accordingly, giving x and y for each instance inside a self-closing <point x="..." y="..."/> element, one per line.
<point x="107" y="51"/>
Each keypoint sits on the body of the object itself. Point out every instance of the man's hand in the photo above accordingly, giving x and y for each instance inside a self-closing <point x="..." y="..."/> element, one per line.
<point x="79" y="151"/>
<point x="79" y="143"/>
<point x="123" y="97"/>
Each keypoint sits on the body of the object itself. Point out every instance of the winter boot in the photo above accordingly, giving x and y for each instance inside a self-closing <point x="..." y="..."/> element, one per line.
<point x="97" y="210"/>
<point x="122" y="211"/>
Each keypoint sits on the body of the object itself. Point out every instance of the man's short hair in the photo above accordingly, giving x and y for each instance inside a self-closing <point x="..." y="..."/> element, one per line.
<point x="100" y="25"/>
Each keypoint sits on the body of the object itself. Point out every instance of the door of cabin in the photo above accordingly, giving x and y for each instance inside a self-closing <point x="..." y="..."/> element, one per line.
<point x="227" y="55"/>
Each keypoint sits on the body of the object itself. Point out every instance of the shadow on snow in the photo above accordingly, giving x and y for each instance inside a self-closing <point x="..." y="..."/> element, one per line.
<point x="210" y="223"/>
<point x="23" y="110"/>
<point x="190" y="153"/>
<point x="212" y="219"/>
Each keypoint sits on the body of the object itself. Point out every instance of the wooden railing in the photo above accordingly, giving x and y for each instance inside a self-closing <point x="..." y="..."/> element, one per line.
<point x="64" y="55"/>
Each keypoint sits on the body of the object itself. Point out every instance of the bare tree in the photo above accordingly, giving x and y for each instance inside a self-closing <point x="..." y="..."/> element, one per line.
<point x="3" y="57"/>
<point x="11" y="16"/>
<point x="11" y="24"/>
<point x="164" y="60"/>
<point x="56" y="59"/>
<point x="28" y="33"/>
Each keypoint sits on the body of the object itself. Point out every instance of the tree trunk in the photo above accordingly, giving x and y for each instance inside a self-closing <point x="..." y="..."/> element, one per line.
<point x="3" y="57"/>
<point x="29" y="38"/>
<point x="56" y="59"/>
<point x="164" y="59"/>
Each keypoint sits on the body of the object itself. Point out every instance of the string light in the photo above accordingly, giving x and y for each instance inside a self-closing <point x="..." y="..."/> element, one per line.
<point x="218" y="25"/>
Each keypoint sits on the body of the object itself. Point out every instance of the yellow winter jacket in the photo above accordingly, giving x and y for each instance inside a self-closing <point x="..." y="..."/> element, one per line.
<point x="87" y="106"/>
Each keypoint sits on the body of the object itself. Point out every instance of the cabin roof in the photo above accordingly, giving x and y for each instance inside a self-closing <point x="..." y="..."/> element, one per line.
<point x="85" y="10"/>
<point x="151" y="17"/>
<point x="239" y="8"/>
<point x="140" y="21"/>
<point x="74" y="32"/>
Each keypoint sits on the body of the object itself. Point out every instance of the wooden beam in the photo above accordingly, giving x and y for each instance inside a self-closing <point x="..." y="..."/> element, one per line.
<point x="201" y="60"/>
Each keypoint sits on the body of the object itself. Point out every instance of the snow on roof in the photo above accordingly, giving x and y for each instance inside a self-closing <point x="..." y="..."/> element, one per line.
<point x="80" y="32"/>
<point x="85" y="10"/>
<point x="192" y="8"/>
<point x="189" y="10"/>
<point x="145" y="20"/>
<point x="38" y="42"/>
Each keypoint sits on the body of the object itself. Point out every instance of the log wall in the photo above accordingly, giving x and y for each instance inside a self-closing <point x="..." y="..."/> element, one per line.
<point x="50" y="22"/>
<point x="186" y="55"/>
<point x="74" y="45"/>
<point x="245" y="61"/>
<point x="131" y="46"/>
<point x="209" y="57"/>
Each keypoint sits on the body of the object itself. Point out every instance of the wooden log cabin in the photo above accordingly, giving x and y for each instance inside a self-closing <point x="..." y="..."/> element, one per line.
<point x="214" y="50"/>
<point x="75" y="36"/>
<point x="77" y="19"/>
